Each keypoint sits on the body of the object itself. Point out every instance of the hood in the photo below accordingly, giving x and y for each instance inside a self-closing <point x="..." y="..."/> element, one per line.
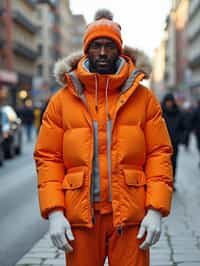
<point x="69" y="63"/>
<point x="169" y="97"/>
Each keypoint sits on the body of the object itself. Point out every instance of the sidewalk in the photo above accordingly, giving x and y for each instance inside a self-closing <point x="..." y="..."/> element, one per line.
<point x="180" y="240"/>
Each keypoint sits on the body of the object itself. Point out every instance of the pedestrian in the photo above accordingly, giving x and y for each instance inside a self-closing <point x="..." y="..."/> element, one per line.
<point x="176" y="126"/>
<point x="27" y="116"/>
<point x="196" y="126"/>
<point x="43" y="108"/>
<point x="37" y="115"/>
<point x="103" y="154"/>
<point x="187" y="116"/>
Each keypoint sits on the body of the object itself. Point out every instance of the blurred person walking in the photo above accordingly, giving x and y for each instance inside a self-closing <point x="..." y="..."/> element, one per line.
<point x="37" y="117"/>
<point x="196" y="126"/>
<point x="43" y="108"/>
<point x="27" y="116"/>
<point x="187" y="116"/>
<point x="103" y="154"/>
<point x="176" y="126"/>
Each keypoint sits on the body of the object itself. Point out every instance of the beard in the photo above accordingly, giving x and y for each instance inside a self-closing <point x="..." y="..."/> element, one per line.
<point x="103" y="65"/>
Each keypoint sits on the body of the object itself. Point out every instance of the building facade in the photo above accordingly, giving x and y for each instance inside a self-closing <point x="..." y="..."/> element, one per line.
<point x="177" y="71"/>
<point x="18" y="47"/>
<point x="60" y="34"/>
<point x="193" y="33"/>
<point x="170" y="52"/>
<point x="158" y="72"/>
<point x="34" y="34"/>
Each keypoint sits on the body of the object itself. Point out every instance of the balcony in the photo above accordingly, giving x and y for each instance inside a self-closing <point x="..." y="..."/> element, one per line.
<point x="194" y="36"/>
<point x="194" y="12"/>
<point x="19" y="18"/>
<point x="25" y="78"/>
<point x="2" y="37"/>
<point x="2" y="43"/>
<point x="52" y="3"/>
<point x="24" y="51"/>
<point x="195" y="62"/>
<point x="32" y="3"/>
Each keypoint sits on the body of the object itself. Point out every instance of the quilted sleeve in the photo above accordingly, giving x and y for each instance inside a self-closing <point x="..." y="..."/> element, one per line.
<point x="49" y="159"/>
<point x="158" y="166"/>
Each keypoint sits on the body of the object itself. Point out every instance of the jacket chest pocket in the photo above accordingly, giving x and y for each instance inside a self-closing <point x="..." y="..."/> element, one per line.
<point x="76" y="198"/>
<point x="77" y="144"/>
<point x="130" y="144"/>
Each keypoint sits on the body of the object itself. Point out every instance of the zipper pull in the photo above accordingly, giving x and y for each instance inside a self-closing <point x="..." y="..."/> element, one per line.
<point x="93" y="220"/>
<point x="120" y="230"/>
<point x="93" y="216"/>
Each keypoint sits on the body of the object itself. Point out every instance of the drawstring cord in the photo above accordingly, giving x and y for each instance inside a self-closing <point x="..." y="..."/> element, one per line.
<point x="107" y="104"/>
<point x="96" y="96"/>
<point x="96" y="93"/>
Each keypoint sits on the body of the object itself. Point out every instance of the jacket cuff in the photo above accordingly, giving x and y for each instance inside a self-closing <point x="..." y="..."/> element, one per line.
<point x="51" y="197"/>
<point x="159" y="197"/>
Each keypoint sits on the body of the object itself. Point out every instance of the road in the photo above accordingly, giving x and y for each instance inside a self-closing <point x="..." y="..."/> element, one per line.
<point x="20" y="222"/>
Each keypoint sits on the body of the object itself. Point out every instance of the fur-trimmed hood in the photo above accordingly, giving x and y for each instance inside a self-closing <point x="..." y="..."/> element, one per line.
<point x="70" y="62"/>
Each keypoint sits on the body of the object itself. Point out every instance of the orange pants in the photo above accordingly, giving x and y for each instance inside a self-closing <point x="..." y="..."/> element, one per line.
<point x="92" y="246"/>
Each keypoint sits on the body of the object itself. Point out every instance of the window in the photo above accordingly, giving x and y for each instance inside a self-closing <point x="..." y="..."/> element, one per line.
<point x="40" y="49"/>
<point x="40" y="70"/>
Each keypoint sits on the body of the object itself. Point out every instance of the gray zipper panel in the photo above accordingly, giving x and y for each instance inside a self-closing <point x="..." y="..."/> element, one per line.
<point x="130" y="80"/>
<point x="76" y="82"/>
<point x="109" y="141"/>
<point x="95" y="171"/>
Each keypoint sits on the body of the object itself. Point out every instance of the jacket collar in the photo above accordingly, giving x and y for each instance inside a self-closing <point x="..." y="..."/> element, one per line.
<point x="99" y="81"/>
<point x="140" y="63"/>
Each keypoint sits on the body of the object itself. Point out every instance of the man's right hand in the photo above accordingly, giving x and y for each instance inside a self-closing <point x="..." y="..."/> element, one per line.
<point x="60" y="231"/>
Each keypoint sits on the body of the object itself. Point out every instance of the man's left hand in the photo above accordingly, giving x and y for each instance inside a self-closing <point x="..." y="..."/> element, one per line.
<point x="151" y="224"/>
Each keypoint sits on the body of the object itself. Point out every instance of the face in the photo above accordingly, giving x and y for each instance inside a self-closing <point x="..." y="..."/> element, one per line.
<point x="169" y="104"/>
<point x="103" y="55"/>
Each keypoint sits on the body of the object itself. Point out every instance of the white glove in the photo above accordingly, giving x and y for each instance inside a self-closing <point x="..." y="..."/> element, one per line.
<point x="152" y="225"/>
<point x="60" y="231"/>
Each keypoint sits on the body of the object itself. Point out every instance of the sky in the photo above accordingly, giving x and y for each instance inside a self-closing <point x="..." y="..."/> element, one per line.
<point x="142" y="21"/>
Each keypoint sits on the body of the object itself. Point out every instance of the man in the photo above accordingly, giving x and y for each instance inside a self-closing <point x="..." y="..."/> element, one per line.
<point x="176" y="125"/>
<point x="27" y="116"/>
<point x="103" y="154"/>
<point x="196" y="126"/>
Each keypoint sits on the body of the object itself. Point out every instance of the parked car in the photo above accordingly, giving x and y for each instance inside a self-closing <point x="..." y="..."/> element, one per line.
<point x="1" y="140"/>
<point x="12" y="131"/>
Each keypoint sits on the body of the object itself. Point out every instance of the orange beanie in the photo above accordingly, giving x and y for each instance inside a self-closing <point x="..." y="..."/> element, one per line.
<point x="103" y="26"/>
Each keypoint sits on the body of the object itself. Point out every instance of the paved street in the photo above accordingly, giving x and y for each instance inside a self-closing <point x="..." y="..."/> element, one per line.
<point x="180" y="241"/>
<point x="20" y="223"/>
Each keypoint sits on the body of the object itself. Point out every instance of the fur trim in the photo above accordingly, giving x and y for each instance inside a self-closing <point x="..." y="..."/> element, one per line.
<point x="69" y="63"/>
<point x="66" y="65"/>
<point x="140" y="59"/>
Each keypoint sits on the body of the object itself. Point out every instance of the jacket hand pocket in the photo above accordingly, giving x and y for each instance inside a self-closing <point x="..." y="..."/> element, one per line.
<point x="73" y="180"/>
<point x="134" y="177"/>
<point x="76" y="198"/>
<point x="133" y="196"/>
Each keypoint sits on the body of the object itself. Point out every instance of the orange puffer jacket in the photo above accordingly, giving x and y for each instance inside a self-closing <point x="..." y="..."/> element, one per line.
<point x="139" y="152"/>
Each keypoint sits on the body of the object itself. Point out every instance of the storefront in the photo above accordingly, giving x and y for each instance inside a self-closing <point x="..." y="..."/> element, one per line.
<point x="24" y="89"/>
<point x="8" y="83"/>
<point x="195" y="90"/>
